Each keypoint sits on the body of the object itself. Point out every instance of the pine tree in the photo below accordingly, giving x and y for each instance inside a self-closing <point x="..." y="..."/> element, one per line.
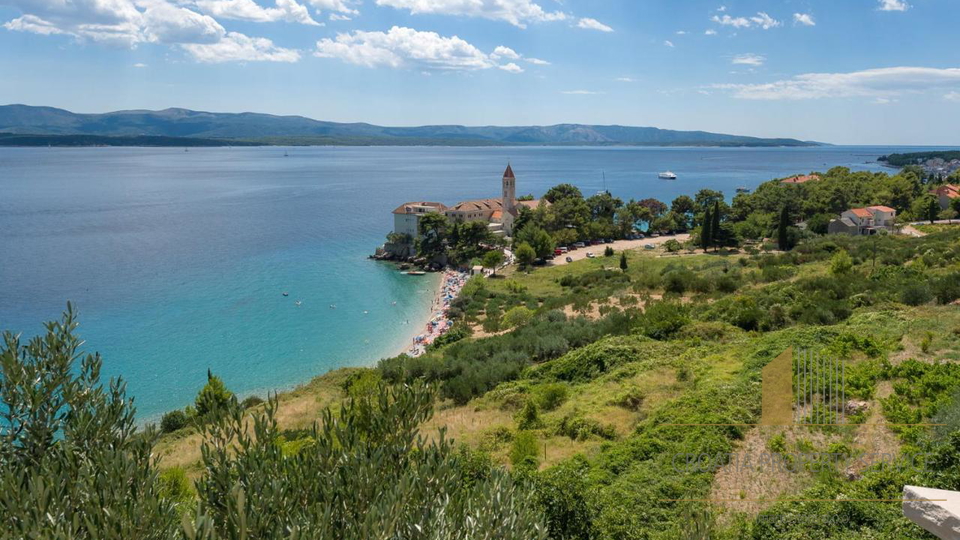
<point x="706" y="235"/>
<point x="623" y="261"/>
<point x="715" y="233"/>
<point x="783" y="238"/>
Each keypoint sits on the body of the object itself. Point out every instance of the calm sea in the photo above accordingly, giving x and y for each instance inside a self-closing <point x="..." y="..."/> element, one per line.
<point x="177" y="261"/>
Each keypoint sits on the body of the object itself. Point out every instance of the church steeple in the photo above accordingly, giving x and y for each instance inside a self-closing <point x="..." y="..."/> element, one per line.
<point x="509" y="190"/>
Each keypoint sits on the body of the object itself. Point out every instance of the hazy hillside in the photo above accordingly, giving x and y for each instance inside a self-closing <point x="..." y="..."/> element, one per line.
<point x="28" y="120"/>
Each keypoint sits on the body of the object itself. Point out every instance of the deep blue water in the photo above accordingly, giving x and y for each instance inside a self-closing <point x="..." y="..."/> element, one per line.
<point x="177" y="260"/>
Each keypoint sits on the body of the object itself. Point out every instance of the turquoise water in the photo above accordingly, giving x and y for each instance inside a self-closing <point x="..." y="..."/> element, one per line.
<point x="177" y="260"/>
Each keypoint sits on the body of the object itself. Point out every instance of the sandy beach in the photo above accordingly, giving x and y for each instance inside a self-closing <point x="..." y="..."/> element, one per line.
<point x="437" y="323"/>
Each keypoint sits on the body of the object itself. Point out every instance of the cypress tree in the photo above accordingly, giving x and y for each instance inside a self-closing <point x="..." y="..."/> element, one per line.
<point x="783" y="239"/>
<point x="705" y="230"/>
<point x="715" y="233"/>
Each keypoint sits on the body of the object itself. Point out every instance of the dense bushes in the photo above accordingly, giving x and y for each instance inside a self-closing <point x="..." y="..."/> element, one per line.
<point x="72" y="462"/>
<point x="467" y="369"/>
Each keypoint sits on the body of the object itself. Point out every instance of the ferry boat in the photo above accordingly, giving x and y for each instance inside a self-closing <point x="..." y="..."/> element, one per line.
<point x="743" y="189"/>
<point x="667" y="175"/>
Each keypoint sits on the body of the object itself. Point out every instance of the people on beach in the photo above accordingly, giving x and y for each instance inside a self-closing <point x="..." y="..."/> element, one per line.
<point x="452" y="282"/>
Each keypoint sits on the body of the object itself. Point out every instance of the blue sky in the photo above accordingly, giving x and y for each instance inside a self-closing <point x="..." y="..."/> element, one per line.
<point x="840" y="71"/>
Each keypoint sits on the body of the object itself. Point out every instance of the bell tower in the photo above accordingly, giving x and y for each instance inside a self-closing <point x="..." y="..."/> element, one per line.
<point x="509" y="189"/>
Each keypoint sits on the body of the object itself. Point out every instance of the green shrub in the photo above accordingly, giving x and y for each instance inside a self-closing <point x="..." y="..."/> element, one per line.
<point x="517" y="316"/>
<point x="361" y="382"/>
<point x="631" y="399"/>
<point x="73" y="463"/>
<point x="552" y="395"/>
<point x="173" y="421"/>
<point x="525" y="452"/>
<point x="367" y="470"/>
<point x="250" y="402"/>
<point x="529" y="416"/>
<point x="841" y="263"/>
<point x="916" y="293"/>
<point x="579" y="428"/>
<point x="214" y="397"/>
<point x="608" y="251"/>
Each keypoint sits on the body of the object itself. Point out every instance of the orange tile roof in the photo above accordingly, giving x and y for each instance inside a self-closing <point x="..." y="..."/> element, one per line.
<point x="407" y="208"/>
<point x="950" y="190"/>
<point x="497" y="214"/>
<point x="481" y="205"/>
<point x="881" y="208"/>
<point x="800" y="179"/>
<point x="534" y="203"/>
<point x="861" y="212"/>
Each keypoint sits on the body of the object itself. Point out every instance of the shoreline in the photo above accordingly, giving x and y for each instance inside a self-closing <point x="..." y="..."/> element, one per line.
<point x="436" y="323"/>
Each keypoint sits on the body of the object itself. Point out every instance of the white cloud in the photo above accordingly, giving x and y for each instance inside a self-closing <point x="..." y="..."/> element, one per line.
<point x="405" y="47"/>
<point x="893" y="5"/>
<point x="139" y="65"/>
<point x="511" y="67"/>
<point x="537" y="61"/>
<point x="749" y="59"/>
<point x="885" y="83"/>
<point x="710" y="32"/>
<point x="736" y="22"/>
<point x="248" y="10"/>
<point x="580" y="92"/>
<point x="593" y="24"/>
<point x="166" y="23"/>
<point x="722" y="9"/>
<point x="339" y="17"/>
<point x="236" y="47"/>
<point x="668" y="43"/>
<point x="339" y="6"/>
<point x="624" y="79"/>
<point x="516" y="12"/>
<point x="952" y="96"/>
<point x="883" y="101"/>
<point x="765" y="21"/>
<point x="681" y="32"/>
<point x="116" y="22"/>
<point x="804" y="18"/>
<point x="761" y="20"/>
<point x="505" y="52"/>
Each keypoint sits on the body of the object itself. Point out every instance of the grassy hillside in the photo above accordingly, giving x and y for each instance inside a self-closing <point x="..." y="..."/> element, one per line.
<point x="582" y="399"/>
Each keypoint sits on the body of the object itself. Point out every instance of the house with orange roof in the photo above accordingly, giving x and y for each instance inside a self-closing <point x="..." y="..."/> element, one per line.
<point x="864" y="221"/>
<point x="800" y="179"/>
<point x="946" y="194"/>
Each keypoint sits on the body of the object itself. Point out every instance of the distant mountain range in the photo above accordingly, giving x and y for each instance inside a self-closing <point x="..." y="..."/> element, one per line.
<point x="26" y="125"/>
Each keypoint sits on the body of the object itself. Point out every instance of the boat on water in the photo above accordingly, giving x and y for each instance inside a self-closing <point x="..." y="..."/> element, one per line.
<point x="667" y="175"/>
<point x="743" y="189"/>
<point x="285" y="154"/>
<point x="416" y="273"/>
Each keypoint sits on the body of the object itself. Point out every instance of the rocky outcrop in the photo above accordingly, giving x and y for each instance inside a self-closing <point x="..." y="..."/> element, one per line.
<point x="936" y="510"/>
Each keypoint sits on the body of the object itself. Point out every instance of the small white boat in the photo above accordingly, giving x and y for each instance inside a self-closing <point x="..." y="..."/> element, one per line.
<point x="298" y="302"/>
<point x="667" y="175"/>
<point x="743" y="189"/>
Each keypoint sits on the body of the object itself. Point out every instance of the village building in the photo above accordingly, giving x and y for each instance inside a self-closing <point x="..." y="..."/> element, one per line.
<point x="946" y="194"/>
<point x="864" y="221"/>
<point x="800" y="179"/>
<point x="500" y="212"/>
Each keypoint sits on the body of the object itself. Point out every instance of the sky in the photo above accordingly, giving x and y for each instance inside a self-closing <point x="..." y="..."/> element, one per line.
<point x="837" y="71"/>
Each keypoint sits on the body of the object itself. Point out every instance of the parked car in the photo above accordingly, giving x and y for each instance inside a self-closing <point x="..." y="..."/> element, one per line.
<point x="565" y="249"/>
<point x="595" y="242"/>
<point x="649" y="246"/>
<point x="655" y="235"/>
<point x="569" y="259"/>
<point x="607" y="241"/>
<point x="640" y="236"/>
<point x="579" y="245"/>
<point x="590" y="255"/>
<point x="557" y="252"/>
